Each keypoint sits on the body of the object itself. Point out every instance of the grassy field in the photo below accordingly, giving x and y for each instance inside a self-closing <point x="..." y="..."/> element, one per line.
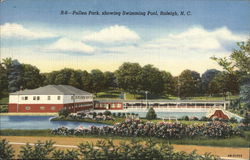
<point x="116" y="94"/>
<point x="237" y="141"/>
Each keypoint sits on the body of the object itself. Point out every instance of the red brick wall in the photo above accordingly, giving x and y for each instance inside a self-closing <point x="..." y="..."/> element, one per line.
<point x="35" y="107"/>
<point x="43" y="108"/>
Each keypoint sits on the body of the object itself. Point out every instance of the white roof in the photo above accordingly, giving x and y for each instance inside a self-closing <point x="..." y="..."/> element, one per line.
<point x="53" y="90"/>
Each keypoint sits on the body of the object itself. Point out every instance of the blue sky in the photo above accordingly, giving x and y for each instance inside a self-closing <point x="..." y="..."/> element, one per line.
<point x="34" y="32"/>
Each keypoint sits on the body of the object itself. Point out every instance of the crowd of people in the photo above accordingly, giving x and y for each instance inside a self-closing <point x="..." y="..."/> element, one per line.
<point x="166" y="130"/>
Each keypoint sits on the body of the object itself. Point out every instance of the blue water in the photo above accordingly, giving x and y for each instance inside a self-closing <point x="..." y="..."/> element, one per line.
<point x="39" y="122"/>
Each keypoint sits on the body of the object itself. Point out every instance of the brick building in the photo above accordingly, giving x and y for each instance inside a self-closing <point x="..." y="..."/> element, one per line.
<point x="50" y="98"/>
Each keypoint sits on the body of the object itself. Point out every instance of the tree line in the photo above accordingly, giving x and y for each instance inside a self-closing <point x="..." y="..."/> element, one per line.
<point x="129" y="77"/>
<point x="135" y="79"/>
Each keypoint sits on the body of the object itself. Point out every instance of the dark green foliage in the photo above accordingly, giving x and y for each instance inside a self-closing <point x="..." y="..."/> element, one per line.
<point x="136" y="150"/>
<point x="68" y="155"/>
<point x="3" y="108"/>
<point x="6" y="150"/>
<point x="31" y="77"/>
<point x="63" y="112"/>
<point x="3" y="80"/>
<point x="186" y="118"/>
<point x="109" y="80"/>
<point x="189" y="83"/>
<point x="102" y="150"/>
<point x="151" y="114"/>
<point x="206" y="78"/>
<point x="204" y="118"/>
<point x="233" y="120"/>
<point x="224" y="82"/>
<point x="151" y="80"/>
<point x="39" y="151"/>
<point x="98" y="83"/>
<point x="15" y="76"/>
<point x="107" y="113"/>
<point x="128" y="77"/>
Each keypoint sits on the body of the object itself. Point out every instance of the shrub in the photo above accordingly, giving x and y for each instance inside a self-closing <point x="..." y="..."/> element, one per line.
<point x="204" y="118"/>
<point x="107" y="113"/>
<point x="100" y="114"/>
<point x="151" y="114"/>
<point x="39" y="151"/>
<point x="186" y="118"/>
<point x="94" y="114"/>
<point x="68" y="155"/>
<point x="63" y="112"/>
<point x="123" y="114"/>
<point x="114" y="114"/>
<point x="136" y="150"/>
<point x="119" y="114"/>
<point x="233" y="120"/>
<point x="3" y="108"/>
<point x="6" y="150"/>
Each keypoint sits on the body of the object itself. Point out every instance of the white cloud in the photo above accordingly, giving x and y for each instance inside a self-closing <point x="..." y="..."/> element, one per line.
<point x="113" y="34"/>
<point x="13" y="30"/>
<point x="66" y="45"/>
<point x="197" y="38"/>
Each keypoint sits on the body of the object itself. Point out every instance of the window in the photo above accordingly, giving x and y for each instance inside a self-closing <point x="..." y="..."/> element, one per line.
<point x="53" y="108"/>
<point x="58" y="97"/>
<point x="119" y="106"/>
<point x="48" y="97"/>
<point x="34" y="97"/>
<point x="37" y="98"/>
<point x="26" y="98"/>
<point x="42" y="108"/>
<point x="23" y="98"/>
<point x="27" y="108"/>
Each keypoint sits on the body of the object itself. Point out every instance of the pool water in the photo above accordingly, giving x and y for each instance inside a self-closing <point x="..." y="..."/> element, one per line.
<point x="39" y="122"/>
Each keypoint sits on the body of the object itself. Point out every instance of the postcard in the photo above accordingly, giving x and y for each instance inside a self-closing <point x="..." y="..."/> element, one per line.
<point x="134" y="79"/>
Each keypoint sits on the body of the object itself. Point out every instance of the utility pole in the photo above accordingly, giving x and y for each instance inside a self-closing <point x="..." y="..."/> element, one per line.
<point x="146" y="92"/>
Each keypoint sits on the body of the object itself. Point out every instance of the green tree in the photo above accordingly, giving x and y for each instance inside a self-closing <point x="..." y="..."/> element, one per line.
<point x="15" y="76"/>
<point x="63" y="76"/>
<point x="190" y="83"/>
<point x="206" y="78"/>
<point x="151" y="114"/>
<point x="224" y="82"/>
<point x="31" y="77"/>
<point x="97" y="81"/>
<point x="3" y="80"/>
<point x="151" y="80"/>
<point x="6" y="150"/>
<point x="75" y="79"/>
<point x="238" y="64"/>
<point x="63" y="112"/>
<point x="109" y="80"/>
<point x="128" y="77"/>
<point x="39" y="151"/>
<point x="169" y="83"/>
<point x="65" y="155"/>
<point x="86" y="80"/>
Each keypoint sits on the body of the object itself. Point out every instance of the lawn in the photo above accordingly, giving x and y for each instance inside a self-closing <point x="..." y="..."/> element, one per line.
<point x="116" y="94"/>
